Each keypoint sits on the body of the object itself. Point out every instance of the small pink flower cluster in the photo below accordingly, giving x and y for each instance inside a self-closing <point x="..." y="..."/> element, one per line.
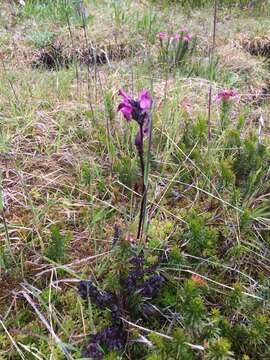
<point x="183" y="34"/>
<point x="225" y="95"/>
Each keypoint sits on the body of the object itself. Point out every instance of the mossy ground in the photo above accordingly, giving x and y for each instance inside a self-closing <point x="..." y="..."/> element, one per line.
<point x="69" y="174"/>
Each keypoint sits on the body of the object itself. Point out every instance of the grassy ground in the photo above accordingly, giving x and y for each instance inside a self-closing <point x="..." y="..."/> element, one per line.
<point x="70" y="180"/>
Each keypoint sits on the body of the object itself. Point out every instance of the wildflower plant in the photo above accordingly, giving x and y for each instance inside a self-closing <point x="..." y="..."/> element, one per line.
<point x="136" y="282"/>
<point x="139" y="111"/>
<point x="225" y="98"/>
<point x="176" y="49"/>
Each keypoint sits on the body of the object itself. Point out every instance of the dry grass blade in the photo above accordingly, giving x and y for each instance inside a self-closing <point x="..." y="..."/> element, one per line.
<point x="47" y="325"/>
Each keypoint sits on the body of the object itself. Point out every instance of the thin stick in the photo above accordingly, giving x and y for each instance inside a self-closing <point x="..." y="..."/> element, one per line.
<point x="10" y="83"/>
<point x="211" y="58"/>
<point x="72" y="43"/>
<point x="7" y="235"/>
<point x="143" y="201"/>
<point x="12" y="340"/>
<point x="88" y="65"/>
<point x="193" y="346"/>
<point x="147" y="168"/>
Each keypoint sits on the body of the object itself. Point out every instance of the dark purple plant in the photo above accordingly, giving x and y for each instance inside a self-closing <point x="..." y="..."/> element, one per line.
<point x="138" y="110"/>
<point x="139" y="280"/>
<point x="150" y="288"/>
<point x="113" y="338"/>
<point x="88" y="290"/>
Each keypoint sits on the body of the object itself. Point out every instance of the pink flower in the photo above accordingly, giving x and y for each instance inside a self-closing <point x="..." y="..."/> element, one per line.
<point x="176" y="37"/>
<point x="184" y="30"/>
<point x="145" y="100"/>
<point x="162" y="35"/>
<point x="126" y="109"/>
<point x="125" y="106"/>
<point x="135" y="109"/>
<point x="138" y="110"/>
<point x="124" y="95"/>
<point x="199" y="280"/>
<point x="188" y="37"/>
<point x="225" y="95"/>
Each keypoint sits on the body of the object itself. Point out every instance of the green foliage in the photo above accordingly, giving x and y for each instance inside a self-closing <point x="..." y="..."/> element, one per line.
<point x="168" y="350"/>
<point x="227" y="174"/>
<point x="176" y="52"/>
<point x="119" y="11"/>
<point x="259" y="5"/>
<point x="57" y="245"/>
<point x="220" y="349"/>
<point x="53" y="10"/>
<point x="250" y="160"/>
<point x="126" y="170"/>
<point x="207" y="70"/>
<point x="202" y="239"/>
<point x="5" y="260"/>
<point x="148" y="24"/>
<point x="41" y="39"/>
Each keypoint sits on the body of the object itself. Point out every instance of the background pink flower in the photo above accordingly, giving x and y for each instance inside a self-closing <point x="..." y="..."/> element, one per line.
<point x="225" y="95"/>
<point x="184" y="30"/>
<point x="176" y="36"/>
<point x="162" y="35"/>
<point x="188" y="37"/>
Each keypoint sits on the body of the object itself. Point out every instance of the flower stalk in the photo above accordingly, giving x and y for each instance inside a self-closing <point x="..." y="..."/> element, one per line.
<point x="138" y="110"/>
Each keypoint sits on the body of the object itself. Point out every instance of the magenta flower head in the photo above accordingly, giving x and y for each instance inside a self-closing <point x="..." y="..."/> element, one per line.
<point x="225" y="95"/>
<point x="184" y="30"/>
<point x="176" y="37"/>
<point x="135" y="109"/>
<point x="145" y="100"/>
<point x="162" y="35"/>
<point x="188" y="37"/>
<point x="125" y="107"/>
<point x="138" y="110"/>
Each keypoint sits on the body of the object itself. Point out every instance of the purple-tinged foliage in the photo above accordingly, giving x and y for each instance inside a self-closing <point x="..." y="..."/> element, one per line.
<point x="120" y="305"/>
<point x="152" y="286"/>
<point x="113" y="338"/>
<point x="88" y="290"/>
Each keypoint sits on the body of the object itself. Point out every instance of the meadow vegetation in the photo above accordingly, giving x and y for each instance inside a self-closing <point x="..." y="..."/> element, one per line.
<point x="135" y="179"/>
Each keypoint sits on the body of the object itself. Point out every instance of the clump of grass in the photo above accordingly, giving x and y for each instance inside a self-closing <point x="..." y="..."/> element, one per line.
<point x="57" y="245"/>
<point x="176" y="50"/>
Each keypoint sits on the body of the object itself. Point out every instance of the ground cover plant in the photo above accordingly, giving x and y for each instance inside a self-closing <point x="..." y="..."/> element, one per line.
<point x="135" y="180"/>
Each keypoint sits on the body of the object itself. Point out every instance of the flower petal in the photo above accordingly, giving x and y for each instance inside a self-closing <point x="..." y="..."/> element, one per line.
<point x="176" y="37"/>
<point x="225" y="95"/>
<point x="126" y="109"/>
<point x="145" y="100"/>
<point x="184" y="30"/>
<point x="162" y="35"/>
<point x="124" y="94"/>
